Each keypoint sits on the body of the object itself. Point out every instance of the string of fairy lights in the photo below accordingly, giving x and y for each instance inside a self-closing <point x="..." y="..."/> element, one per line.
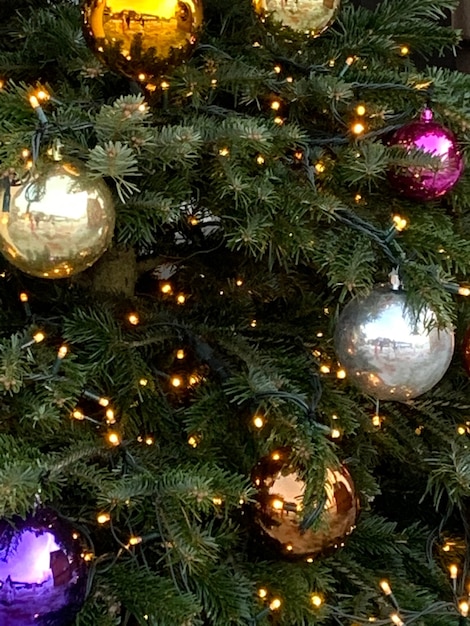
<point x="386" y="239"/>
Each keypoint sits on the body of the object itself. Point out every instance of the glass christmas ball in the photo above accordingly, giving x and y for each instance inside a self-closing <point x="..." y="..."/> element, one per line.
<point x="43" y="574"/>
<point x="142" y="39"/>
<point x="56" y="224"/>
<point x="427" y="183"/>
<point x="280" y="506"/>
<point x="388" y="352"/>
<point x="305" y="16"/>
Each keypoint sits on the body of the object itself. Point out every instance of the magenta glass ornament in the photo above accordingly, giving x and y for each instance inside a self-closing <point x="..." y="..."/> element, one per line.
<point x="43" y="574"/>
<point x="421" y="183"/>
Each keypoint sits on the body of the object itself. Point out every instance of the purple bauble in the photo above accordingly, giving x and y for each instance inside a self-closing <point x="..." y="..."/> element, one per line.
<point x="43" y="574"/>
<point x="421" y="183"/>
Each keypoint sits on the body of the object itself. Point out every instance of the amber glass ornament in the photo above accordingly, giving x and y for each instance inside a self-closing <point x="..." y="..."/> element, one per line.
<point x="280" y="506"/>
<point x="57" y="223"/>
<point x="305" y="16"/>
<point x="142" y="39"/>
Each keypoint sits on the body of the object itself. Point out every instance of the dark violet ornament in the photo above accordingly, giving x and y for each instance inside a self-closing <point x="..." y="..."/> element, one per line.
<point x="421" y="183"/>
<point x="43" y="572"/>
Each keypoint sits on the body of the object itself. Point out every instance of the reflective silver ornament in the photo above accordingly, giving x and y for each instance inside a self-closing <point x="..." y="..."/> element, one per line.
<point x="56" y="224"/>
<point x="388" y="352"/>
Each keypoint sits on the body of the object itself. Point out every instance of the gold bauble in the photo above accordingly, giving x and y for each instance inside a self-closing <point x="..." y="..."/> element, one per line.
<point x="57" y="223"/>
<point x="280" y="506"/>
<point x="142" y="39"/>
<point x="305" y="16"/>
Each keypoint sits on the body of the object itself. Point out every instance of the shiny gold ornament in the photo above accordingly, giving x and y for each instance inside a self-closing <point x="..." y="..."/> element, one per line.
<point x="305" y="16"/>
<point x="281" y="511"/>
<point x="142" y="39"/>
<point x="57" y="223"/>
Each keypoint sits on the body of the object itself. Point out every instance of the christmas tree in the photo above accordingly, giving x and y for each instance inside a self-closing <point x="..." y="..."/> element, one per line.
<point x="235" y="247"/>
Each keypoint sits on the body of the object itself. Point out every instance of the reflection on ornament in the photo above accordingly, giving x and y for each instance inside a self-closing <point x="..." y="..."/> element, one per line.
<point x="280" y="506"/>
<point x="304" y="16"/>
<point x="386" y="351"/>
<point x="427" y="183"/>
<point x="58" y="223"/>
<point x="142" y="39"/>
<point x="43" y="571"/>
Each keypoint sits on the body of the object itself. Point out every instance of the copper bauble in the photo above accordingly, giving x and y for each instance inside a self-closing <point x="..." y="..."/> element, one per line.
<point x="280" y="506"/>
<point x="304" y="16"/>
<point x="388" y="352"/>
<point x="57" y="223"/>
<point x="142" y="39"/>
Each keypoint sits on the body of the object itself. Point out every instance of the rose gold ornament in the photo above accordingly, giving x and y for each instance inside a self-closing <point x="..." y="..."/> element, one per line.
<point x="281" y="507"/>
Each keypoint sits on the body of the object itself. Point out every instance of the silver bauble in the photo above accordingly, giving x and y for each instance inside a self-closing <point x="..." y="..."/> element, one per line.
<point x="387" y="351"/>
<point x="57" y="223"/>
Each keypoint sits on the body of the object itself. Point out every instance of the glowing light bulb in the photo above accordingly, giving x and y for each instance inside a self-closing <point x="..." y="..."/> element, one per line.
<point x="335" y="433"/>
<point x="180" y="354"/>
<point x="262" y="592"/>
<point x="260" y="159"/>
<point x="217" y="501"/>
<point x="78" y="415"/>
<point x="325" y="369"/>
<point x="404" y="50"/>
<point x="399" y="222"/>
<point x="133" y="319"/>
<point x="149" y="441"/>
<point x="320" y="167"/>
<point x="224" y="152"/>
<point x="277" y="69"/>
<point x="461" y="430"/>
<point x="181" y="298"/>
<point x="39" y="336"/>
<point x="464" y="291"/>
<point x="253" y="323"/>
<point x="24" y="297"/>
<point x="103" y="518"/>
<point x="361" y="110"/>
<point x="275" y="604"/>
<point x="62" y="352"/>
<point x="275" y="456"/>
<point x="277" y="504"/>
<point x="396" y="619"/>
<point x="166" y="289"/>
<point x="134" y="541"/>
<point x="341" y="374"/>
<point x="164" y="85"/>
<point x="385" y="586"/>
<point x="258" y="421"/>
<point x="316" y="600"/>
<point x="110" y="417"/>
<point x="143" y="382"/>
<point x="104" y="402"/>
<point x="453" y="571"/>
<point x="358" y="128"/>
<point x="464" y="608"/>
<point x="193" y="441"/>
<point x="176" y="381"/>
<point x="114" y="439"/>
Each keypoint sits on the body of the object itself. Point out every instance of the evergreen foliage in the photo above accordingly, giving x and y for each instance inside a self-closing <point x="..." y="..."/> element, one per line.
<point x="265" y="221"/>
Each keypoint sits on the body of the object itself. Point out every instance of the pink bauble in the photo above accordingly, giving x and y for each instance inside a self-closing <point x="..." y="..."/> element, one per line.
<point x="422" y="183"/>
